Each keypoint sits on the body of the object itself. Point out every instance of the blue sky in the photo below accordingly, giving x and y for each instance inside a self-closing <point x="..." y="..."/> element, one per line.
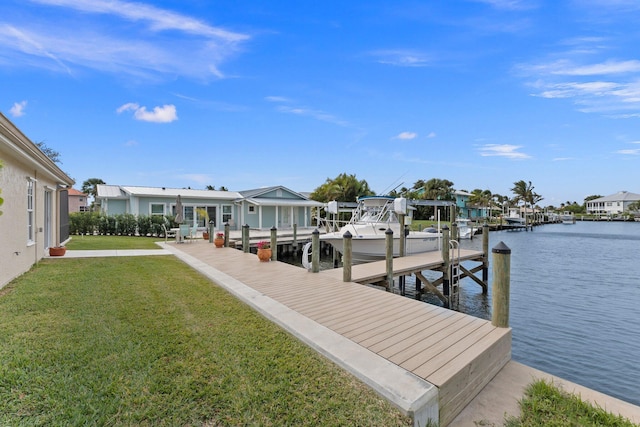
<point x="182" y="93"/>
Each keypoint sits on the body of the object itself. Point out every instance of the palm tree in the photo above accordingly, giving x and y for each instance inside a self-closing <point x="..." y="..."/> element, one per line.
<point x="525" y="194"/>
<point x="434" y="189"/>
<point x="482" y="198"/>
<point x="343" y="188"/>
<point x="90" y="186"/>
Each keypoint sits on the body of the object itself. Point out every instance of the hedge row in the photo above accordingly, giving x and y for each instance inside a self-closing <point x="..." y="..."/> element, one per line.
<point x="121" y="224"/>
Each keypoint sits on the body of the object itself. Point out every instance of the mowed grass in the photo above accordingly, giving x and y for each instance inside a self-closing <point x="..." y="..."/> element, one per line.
<point x="79" y="242"/>
<point x="546" y="405"/>
<point x="148" y="341"/>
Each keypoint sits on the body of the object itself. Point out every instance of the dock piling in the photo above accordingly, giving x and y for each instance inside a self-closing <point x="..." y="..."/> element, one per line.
<point x="347" y="257"/>
<point x="389" y="257"/>
<point x="446" y="258"/>
<point x="485" y="258"/>
<point x="245" y="238"/>
<point x="315" y="251"/>
<point x="274" y="243"/>
<point x="501" y="285"/>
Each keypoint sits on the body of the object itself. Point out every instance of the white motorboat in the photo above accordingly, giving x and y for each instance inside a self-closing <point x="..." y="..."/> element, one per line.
<point x="369" y="222"/>
<point x="464" y="228"/>
<point x="567" y="218"/>
<point x="514" y="218"/>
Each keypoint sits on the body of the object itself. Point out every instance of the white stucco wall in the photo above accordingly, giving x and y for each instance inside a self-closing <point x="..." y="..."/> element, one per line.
<point x="22" y="161"/>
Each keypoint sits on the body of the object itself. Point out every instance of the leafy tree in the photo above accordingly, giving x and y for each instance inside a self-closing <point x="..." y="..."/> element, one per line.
<point x="343" y="188"/>
<point x="635" y="206"/>
<point x="90" y="186"/>
<point x="436" y="189"/>
<point x="482" y="198"/>
<point x="433" y="189"/>
<point x="49" y="152"/>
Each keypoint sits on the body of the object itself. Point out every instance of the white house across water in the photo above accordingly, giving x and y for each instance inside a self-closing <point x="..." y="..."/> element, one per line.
<point x="612" y="205"/>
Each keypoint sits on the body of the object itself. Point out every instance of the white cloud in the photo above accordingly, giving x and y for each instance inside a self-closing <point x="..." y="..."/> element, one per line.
<point x="18" y="109"/>
<point x="630" y="152"/>
<point x="510" y="4"/>
<point x="503" y="150"/>
<point x="315" y="114"/>
<point x="406" y="135"/>
<point x="119" y="37"/>
<point x="158" y="19"/>
<point x="431" y="135"/>
<point x="603" y="68"/>
<point x="277" y="99"/>
<point x="402" y="58"/>
<point x="164" y="114"/>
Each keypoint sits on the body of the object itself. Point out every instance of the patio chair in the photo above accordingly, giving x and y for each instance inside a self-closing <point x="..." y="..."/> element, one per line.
<point x="184" y="232"/>
<point x="193" y="232"/>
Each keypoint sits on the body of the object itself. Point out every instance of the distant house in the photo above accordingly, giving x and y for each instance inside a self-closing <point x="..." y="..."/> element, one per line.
<point x="612" y="205"/>
<point x="78" y="201"/>
<point x="35" y="210"/>
<point x="262" y="208"/>
<point x="275" y="206"/>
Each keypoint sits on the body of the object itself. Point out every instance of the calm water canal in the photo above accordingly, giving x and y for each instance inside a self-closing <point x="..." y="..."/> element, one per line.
<point x="575" y="302"/>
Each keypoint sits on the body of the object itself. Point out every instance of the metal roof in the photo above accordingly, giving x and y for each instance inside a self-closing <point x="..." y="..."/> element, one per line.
<point x="283" y="202"/>
<point x="620" y="196"/>
<point x="117" y="191"/>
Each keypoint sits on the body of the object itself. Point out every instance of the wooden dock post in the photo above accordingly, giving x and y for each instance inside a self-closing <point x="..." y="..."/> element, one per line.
<point x="403" y="238"/>
<point x="446" y="258"/>
<point x="454" y="231"/>
<point x="274" y="243"/>
<point x="245" y="238"/>
<point x="294" y="245"/>
<point x="485" y="258"/>
<point x="501" y="285"/>
<point x="347" y="255"/>
<point x="226" y="234"/>
<point x="315" y="251"/>
<point x="389" y="257"/>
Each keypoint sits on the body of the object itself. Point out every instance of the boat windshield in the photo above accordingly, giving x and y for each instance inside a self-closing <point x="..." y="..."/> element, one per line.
<point x="375" y="213"/>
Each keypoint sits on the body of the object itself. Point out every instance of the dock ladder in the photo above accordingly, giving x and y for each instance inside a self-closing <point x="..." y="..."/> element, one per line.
<point x="455" y="274"/>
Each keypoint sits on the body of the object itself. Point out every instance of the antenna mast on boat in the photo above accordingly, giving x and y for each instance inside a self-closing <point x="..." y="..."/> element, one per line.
<point x="387" y="191"/>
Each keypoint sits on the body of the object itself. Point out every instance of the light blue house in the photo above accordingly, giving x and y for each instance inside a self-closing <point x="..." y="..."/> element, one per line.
<point x="261" y="208"/>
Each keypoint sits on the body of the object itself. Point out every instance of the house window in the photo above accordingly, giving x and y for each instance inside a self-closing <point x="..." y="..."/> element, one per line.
<point x="252" y="209"/>
<point x="30" y="219"/>
<point x="84" y="208"/>
<point x="227" y="215"/>
<point x="608" y="203"/>
<point x="188" y="215"/>
<point x="80" y="199"/>
<point x="157" y="209"/>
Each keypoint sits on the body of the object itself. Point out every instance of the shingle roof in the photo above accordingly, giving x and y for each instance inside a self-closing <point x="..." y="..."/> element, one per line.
<point x="74" y="192"/>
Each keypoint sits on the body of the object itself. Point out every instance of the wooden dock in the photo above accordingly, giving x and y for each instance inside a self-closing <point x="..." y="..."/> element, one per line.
<point x="457" y="353"/>
<point x="404" y="266"/>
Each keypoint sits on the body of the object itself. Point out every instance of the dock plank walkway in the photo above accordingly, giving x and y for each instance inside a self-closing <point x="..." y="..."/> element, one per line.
<point x="457" y="353"/>
<point x="377" y="270"/>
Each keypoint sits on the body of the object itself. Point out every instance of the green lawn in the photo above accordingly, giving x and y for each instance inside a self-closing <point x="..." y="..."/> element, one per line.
<point x="112" y="242"/>
<point x="148" y="341"/>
